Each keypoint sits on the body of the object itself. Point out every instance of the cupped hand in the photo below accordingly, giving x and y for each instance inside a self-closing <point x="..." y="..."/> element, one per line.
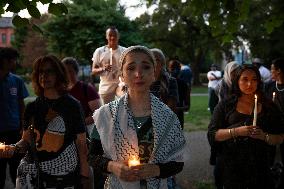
<point x="258" y="133"/>
<point x="8" y="152"/>
<point x="146" y="171"/>
<point x="122" y="171"/>
<point x="108" y="67"/>
<point x="244" y="130"/>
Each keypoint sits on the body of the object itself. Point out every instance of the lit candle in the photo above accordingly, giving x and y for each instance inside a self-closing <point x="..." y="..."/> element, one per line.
<point x="110" y="60"/>
<point x="133" y="161"/>
<point x="273" y="96"/>
<point x="255" y="111"/>
<point x="2" y="146"/>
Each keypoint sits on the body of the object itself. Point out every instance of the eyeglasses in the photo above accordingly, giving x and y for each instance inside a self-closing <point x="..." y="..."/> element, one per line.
<point x="47" y="72"/>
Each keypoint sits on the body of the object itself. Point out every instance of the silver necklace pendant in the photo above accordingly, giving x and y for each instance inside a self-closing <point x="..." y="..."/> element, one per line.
<point x="139" y="124"/>
<point x="280" y="90"/>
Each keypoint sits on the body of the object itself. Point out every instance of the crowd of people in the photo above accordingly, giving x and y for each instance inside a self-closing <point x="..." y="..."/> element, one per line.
<point x="129" y="133"/>
<point x="73" y="136"/>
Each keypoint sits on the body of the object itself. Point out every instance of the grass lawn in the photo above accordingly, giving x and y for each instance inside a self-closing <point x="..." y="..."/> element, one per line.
<point x="198" y="117"/>
<point x="199" y="89"/>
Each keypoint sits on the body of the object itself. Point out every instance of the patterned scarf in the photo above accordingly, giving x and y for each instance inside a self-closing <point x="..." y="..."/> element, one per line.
<point x="115" y="125"/>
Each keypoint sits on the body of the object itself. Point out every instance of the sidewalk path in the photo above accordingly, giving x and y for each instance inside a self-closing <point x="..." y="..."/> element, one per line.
<point x="196" y="168"/>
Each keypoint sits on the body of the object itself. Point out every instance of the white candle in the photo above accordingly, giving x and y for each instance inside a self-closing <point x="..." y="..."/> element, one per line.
<point x="273" y="96"/>
<point x="110" y="58"/>
<point x="255" y="111"/>
<point x="133" y="161"/>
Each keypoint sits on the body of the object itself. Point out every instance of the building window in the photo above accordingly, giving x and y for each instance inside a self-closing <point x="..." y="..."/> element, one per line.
<point x="12" y="38"/>
<point x="4" y="38"/>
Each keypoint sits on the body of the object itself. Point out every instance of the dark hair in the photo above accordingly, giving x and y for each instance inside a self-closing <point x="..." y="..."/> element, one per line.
<point x="72" y="62"/>
<point x="279" y="64"/>
<point x="113" y="28"/>
<point x="60" y="71"/>
<point x="7" y="53"/>
<point x="235" y="86"/>
<point x="175" y="64"/>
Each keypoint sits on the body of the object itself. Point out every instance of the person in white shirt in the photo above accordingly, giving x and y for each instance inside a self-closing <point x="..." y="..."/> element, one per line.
<point x="264" y="72"/>
<point x="213" y="76"/>
<point x="106" y="65"/>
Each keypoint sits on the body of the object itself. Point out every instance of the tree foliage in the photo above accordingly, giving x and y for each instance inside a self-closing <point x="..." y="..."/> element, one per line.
<point x="16" y="6"/>
<point x="82" y="30"/>
<point x="197" y="29"/>
<point x="178" y="32"/>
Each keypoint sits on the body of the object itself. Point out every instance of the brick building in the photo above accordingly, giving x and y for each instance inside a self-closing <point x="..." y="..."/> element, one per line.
<point x="6" y="31"/>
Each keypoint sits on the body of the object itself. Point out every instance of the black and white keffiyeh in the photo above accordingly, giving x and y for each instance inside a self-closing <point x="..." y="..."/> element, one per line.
<point x="118" y="136"/>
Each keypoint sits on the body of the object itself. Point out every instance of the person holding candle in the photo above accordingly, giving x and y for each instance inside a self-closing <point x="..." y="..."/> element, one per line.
<point x="106" y="65"/>
<point x="140" y="125"/>
<point x="243" y="149"/>
<point x="12" y="94"/>
<point x="275" y="91"/>
<point x="54" y="136"/>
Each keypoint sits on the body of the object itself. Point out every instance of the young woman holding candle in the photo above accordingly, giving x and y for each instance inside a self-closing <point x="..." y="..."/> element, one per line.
<point x="275" y="91"/>
<point x="243" y="148"/>
<point x="54" y="138"/>
<point x="138" y="124"/>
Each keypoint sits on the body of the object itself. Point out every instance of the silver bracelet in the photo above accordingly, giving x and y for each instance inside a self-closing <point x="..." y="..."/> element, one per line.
<point x="267" y="138"/>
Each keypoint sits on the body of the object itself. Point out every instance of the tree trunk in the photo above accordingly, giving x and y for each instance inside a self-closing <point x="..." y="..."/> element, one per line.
<point x="196" y="67"/>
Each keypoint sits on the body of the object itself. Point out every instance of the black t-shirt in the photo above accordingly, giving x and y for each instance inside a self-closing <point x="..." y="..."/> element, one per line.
<point x="56" y="122"/>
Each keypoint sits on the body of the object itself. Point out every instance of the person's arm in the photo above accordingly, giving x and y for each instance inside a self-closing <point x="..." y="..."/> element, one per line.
<point x="18" y="148"/>
<point x="169" y="169"/>
<point x="96" y="69"/>
<point x="271" y="139"/>
<point x="82" y="151"/>
<point x="226" y="134"/>
<point x="93" y="104"/>
<point x="210" y="77"/>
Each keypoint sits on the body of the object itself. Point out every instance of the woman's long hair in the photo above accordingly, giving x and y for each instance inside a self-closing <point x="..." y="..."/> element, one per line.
<point x="235" y="85"/>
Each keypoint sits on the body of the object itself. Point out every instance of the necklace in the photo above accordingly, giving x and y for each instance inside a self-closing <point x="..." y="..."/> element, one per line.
<point x="140" y="121"/>
<point x="278" y="88"/>
<point x="139" y="124"/>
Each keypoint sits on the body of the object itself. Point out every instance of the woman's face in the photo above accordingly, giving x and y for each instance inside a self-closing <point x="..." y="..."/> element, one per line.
<point x="274" y="72"/>
<point x="47" y="76"/>
<point x="138" y="71"/>
<point x="248" y="82"/>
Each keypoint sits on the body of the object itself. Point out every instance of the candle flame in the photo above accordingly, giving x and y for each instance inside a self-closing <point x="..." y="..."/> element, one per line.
<point x="255" y="96"/>
<point x="2" y="146"/>
<point x="133" y="161"/>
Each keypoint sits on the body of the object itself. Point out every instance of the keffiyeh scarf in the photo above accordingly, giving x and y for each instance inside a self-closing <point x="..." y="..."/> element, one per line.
<point x="115" y="125"/>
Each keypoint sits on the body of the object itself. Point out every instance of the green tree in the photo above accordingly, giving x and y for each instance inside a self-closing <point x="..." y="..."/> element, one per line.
<point x="197" y="29"/>
<point x="16" y="6"/>
<point x="82" y="30"/>
<point x="179" y="31"/>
